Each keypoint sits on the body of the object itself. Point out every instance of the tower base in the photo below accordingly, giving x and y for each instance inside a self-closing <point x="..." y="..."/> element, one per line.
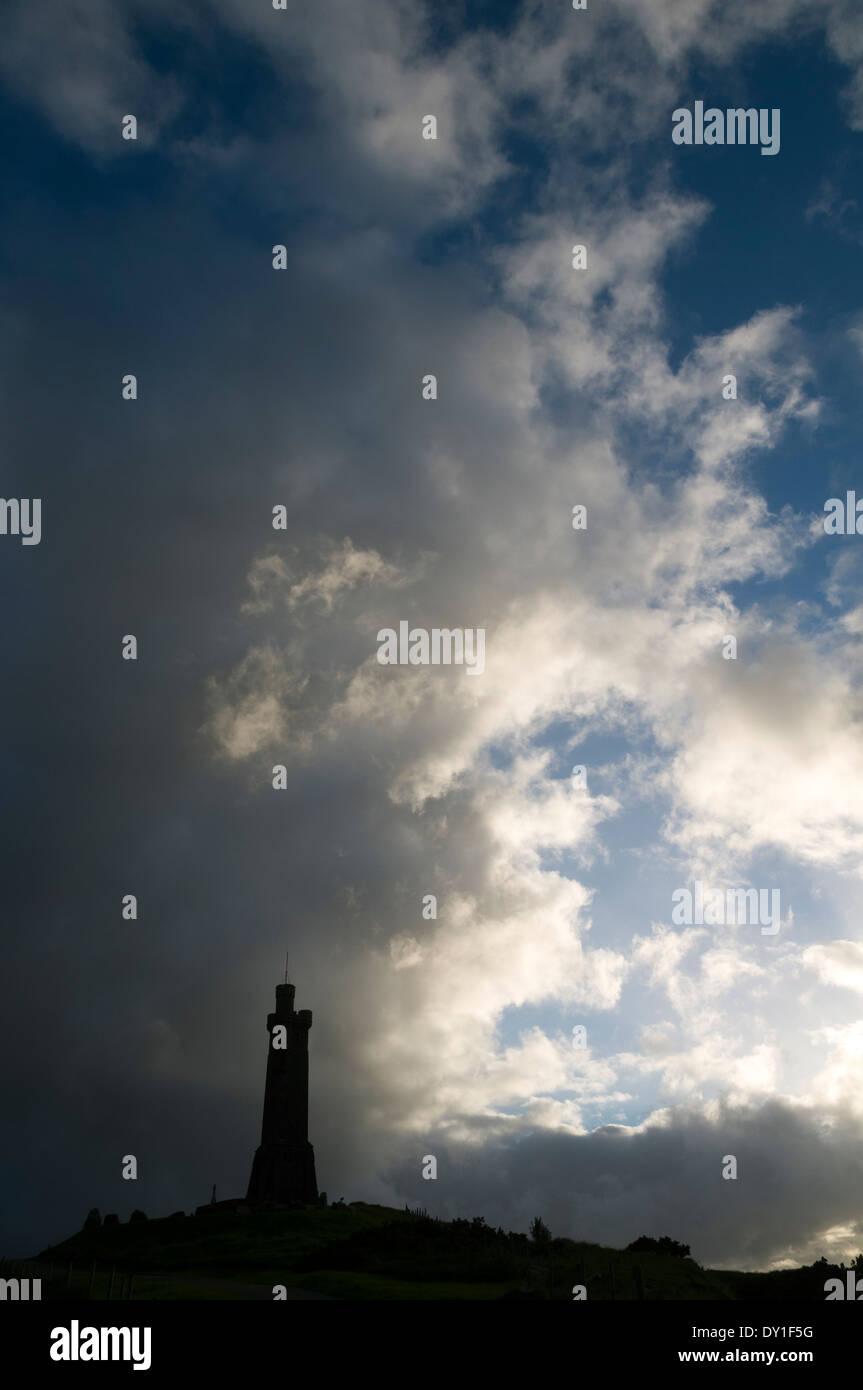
<point x="284" y="1173"/>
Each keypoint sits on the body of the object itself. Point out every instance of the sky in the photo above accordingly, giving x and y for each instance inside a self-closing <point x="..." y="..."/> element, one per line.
<point x="257" y="647"/>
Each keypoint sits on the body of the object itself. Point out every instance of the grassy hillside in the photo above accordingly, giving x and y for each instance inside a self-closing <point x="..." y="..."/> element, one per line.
<point x="361" y="1252"/>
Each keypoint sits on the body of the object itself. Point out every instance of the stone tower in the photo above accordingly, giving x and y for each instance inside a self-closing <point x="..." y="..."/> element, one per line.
<point x="284" y="1166"/>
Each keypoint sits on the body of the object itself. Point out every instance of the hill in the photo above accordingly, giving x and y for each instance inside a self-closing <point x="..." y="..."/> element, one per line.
<point x="359" y="1251"/>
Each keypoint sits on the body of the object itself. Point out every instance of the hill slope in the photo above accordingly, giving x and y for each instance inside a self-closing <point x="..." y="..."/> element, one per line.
<point x="363" y="1252"/>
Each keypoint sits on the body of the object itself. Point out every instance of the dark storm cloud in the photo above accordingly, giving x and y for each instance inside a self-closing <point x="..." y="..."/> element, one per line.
<point x="798" y="1176"/>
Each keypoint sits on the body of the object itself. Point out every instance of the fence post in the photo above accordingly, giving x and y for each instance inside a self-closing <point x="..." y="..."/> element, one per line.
<point x="92" y="1280"/>
<point x="129" y="1286"/>
<point x="611" y="1277"/>
<point x="111" y="1284"/>
<point x="639" y="1286"/>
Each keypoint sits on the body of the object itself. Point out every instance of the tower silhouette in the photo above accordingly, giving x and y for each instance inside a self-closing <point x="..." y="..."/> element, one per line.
<point x="284" y="1165"/>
